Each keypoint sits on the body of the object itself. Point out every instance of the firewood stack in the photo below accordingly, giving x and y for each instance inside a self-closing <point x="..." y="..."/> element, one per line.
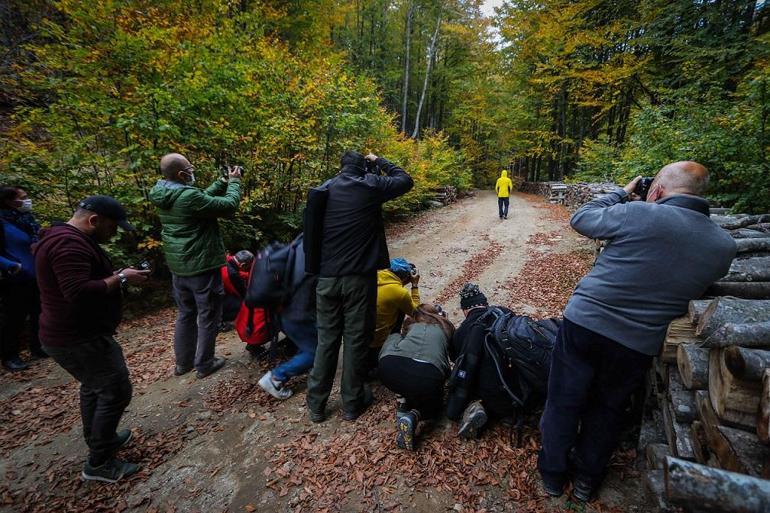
<point x="445" y="195"/>
<point x="706" y="434"/>
<point x="571" y="195"/>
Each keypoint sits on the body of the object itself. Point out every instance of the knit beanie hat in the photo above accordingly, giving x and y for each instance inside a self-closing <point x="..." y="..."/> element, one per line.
<point x="471" y="296"/>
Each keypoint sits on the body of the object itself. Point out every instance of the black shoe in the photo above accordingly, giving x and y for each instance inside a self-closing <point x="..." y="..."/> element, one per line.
<point x="582" y="489"/>
<point x="181" y="371"/>
<point x="552" y="488"/>
<point x="124" y="437"/>
<point x="474" y="418"/>
<point x="111" y="471"/>
<point x="15" y="364"/>
<point x="217" y="364"/>
<point x="350" y="416"/>
<point x="406" y="425"/>
<point x="256" y="352"/>
<point x="505" y="216"/>
<point x="316" y="417"/>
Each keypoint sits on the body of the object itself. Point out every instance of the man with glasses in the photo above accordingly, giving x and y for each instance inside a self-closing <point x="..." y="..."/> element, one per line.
<point x="195" y="253"/>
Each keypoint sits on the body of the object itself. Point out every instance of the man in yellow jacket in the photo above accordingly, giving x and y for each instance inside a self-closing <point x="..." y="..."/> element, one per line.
<point x="394" y="301"/>
<point x="503" y="188"/>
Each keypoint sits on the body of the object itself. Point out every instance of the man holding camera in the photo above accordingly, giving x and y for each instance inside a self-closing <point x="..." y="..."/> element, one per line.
<point x="661" y="253"/>
<point x="195" y="253"/>
<point x="352" y="249"/>
<point x="80" y="309"/>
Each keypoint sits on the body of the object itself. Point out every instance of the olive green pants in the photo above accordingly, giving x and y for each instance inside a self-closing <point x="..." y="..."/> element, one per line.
<point x="346" y="308"/>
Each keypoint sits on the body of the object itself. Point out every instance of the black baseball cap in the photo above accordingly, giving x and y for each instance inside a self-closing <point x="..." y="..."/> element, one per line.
<point x="107" y="206"/>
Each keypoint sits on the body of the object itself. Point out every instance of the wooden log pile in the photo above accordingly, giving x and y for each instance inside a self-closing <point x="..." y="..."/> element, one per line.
<point x="445" y="195"/>
<point x="711" y="385"/>
<point x="571" y="195"/>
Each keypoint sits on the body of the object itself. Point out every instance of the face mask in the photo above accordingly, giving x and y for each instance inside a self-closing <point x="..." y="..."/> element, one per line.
<point x="26" y="206"/>
<point x="191" y="179"/>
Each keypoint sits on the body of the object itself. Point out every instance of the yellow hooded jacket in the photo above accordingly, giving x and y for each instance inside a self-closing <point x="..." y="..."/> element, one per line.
<point x="392" y="298"/>
<point x="503" y="185"/>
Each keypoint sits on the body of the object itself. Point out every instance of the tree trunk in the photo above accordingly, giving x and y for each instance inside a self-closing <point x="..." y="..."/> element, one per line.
<point x="680" y="331"/>
<point x="746" y="233"/>
<point x="407" y="62"/>
<point x="693" y="364"/>
<point x="656" y="455"/>
<point x="735" y="222"/>
<point x="734" y="401"/>
<point x="677" y="435"/>
<point x="696" y="309"/>
<point x="431" y="53"/>
<point x="699" y="445"/>
<point x="749" y="269"/>
<point x="747" y="364"/>
<point x="763" y="418"/>
<point x="700" y="488"/>
<point x="730" y="310"/>
<point x="753" y="244"/>
<point x="755" y="334"/>
<point x="741" y="289"/>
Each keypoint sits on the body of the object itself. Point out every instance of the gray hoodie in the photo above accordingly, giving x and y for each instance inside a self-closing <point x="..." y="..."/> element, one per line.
<point x="659" y="257"/>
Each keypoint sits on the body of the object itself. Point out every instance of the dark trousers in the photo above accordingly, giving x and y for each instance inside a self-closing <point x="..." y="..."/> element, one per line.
<point x="346" y="309"/>
<point x="21" y="303"/>
<point x="199" y="301"/>
<point x="420" y="383"/>
<point x="105" y="390"/>
<point x="591" y="381"/>
<point x="502" y="206"/>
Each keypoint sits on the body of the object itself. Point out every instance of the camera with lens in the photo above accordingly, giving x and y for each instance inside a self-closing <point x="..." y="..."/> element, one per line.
<point x="371" y="167"/>
<point x="225" y="170"/>
<point x="643" y="187"/>
<point x="143" y="265"/>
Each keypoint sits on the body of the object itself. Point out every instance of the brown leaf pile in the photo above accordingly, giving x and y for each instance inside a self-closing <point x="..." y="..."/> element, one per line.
<point x="472" y="269"/>
<point x="547" y="280"/>
<point x="364" y="462"/>
<point x="544" y="239"/>
<point x="63" y="491"/>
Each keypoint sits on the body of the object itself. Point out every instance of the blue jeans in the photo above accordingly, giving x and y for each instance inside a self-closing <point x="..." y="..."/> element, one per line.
<point x="502" y="206"/>
<point x="591" y="381"/>
<point x="304" y="335"/>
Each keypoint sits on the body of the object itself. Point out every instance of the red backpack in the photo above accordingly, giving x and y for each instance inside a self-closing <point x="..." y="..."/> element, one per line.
<point x="259" y="331"/>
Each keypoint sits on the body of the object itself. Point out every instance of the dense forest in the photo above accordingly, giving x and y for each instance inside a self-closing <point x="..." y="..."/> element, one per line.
<point x="93" y="93"/>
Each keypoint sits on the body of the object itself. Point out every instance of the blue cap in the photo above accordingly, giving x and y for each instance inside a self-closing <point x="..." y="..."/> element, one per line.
<point x="400" y="265"/>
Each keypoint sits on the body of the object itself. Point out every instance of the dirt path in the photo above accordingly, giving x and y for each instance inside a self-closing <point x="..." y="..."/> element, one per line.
<point x="221" y="445"/>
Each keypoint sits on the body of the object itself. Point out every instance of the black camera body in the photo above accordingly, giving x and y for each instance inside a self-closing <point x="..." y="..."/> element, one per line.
<point x="371" y="167"/>
<point x="643" y="187"/>
<point x="225" y="170"/>
<point x="143" y="265"/>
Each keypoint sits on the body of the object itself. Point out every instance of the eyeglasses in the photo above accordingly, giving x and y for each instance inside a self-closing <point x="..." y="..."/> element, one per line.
<point x="188" y="169"/>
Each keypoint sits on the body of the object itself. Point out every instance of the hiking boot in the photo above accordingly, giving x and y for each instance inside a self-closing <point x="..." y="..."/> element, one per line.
<point x="180" y="370"/>
<point x="217" y="364"/>
<point x="15" y="364"/>
<point x="582" y="489"/>
<point x="273" y="387"/>
<point x="124" y="436"/>
<point x="111" y="471"/>
<point x="552" y="488"/>
<point x="474" y="418"/>
<point x="317" y="417"/>
<point x="350" y="416"/>
<point x="406" y="425"/>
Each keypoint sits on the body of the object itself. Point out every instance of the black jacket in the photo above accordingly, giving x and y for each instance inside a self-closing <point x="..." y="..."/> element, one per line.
<point x="353" y="240"/>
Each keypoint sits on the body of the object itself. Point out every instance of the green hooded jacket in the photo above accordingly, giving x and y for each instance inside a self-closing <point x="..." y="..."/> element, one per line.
<point x="191" y="239"/>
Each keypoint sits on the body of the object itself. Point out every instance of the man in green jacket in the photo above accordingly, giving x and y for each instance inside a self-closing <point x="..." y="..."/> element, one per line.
<point x="194" y="254"/>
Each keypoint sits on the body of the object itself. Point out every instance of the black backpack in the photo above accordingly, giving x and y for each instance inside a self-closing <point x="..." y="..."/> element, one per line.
<point x="518" y="342"/>
<point x="271" y="277"/>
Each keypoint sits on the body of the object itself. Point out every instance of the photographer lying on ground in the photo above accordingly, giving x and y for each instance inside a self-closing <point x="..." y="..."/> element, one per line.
<point x="661" y="254"/>
<point x="194" y="253"/>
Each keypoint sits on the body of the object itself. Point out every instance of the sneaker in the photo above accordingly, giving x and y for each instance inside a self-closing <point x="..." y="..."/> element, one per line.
<point x="124" y="436"/>
<point x="350" y="416"/>
<point x="180" y="370"/>
<point x="15" y="364"/>
<point x="217" y="364"/>
<point x="273" y="387"/>
<point x="582" y="489"/>
<point x="111" y="471"/>
<point x="405" y="429"/>
<point x="474" y="418"/>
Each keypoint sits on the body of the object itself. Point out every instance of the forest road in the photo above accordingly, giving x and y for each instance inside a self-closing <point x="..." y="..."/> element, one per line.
<point x="221" y="444"/>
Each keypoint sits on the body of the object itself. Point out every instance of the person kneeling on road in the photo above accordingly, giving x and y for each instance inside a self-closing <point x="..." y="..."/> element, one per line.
<point x="394" y="302"/>
<point x="81" y="308"/>
<point x="297" y="319"/>
<point x="414" y="366"/>
<point x="235" y="277"/>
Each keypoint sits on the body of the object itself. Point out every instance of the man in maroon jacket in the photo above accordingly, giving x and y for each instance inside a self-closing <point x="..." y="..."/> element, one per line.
<point x="80" y="309"/>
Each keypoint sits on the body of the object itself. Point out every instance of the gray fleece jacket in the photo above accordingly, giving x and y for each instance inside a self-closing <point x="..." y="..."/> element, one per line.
<point x="659" y="257"/>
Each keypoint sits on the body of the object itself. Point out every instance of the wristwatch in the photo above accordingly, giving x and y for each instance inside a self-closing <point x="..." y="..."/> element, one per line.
<point x="123" y="280"/>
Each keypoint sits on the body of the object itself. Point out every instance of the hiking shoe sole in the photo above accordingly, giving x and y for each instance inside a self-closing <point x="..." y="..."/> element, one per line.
<point x="470" y="429"/>
<point x="405" y="432"/>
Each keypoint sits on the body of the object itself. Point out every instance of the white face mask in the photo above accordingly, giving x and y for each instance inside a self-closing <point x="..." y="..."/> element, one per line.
<point x="191" y="178"/>
<point x="26" y="206"/>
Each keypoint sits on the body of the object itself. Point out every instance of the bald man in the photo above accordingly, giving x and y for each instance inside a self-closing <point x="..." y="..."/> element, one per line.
<point x="661" y="253"/>
<point x="195" y="253"/>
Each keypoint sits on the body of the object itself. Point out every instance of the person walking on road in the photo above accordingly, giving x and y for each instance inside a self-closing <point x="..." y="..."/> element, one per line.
<point x="503" y="188"/>
<point x="81" y="295"/>
<point x="353" y="248"/>
<point x="195" y="253"/>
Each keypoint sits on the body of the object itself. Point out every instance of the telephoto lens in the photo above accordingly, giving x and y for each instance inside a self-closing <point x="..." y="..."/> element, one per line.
<point x="643" y="187"/>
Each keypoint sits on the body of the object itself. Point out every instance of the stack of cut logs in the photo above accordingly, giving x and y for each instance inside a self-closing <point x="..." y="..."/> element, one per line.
<point x="445" y="195"/>
<point x="571" y="195"/>
<point x="711" y="384"/>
